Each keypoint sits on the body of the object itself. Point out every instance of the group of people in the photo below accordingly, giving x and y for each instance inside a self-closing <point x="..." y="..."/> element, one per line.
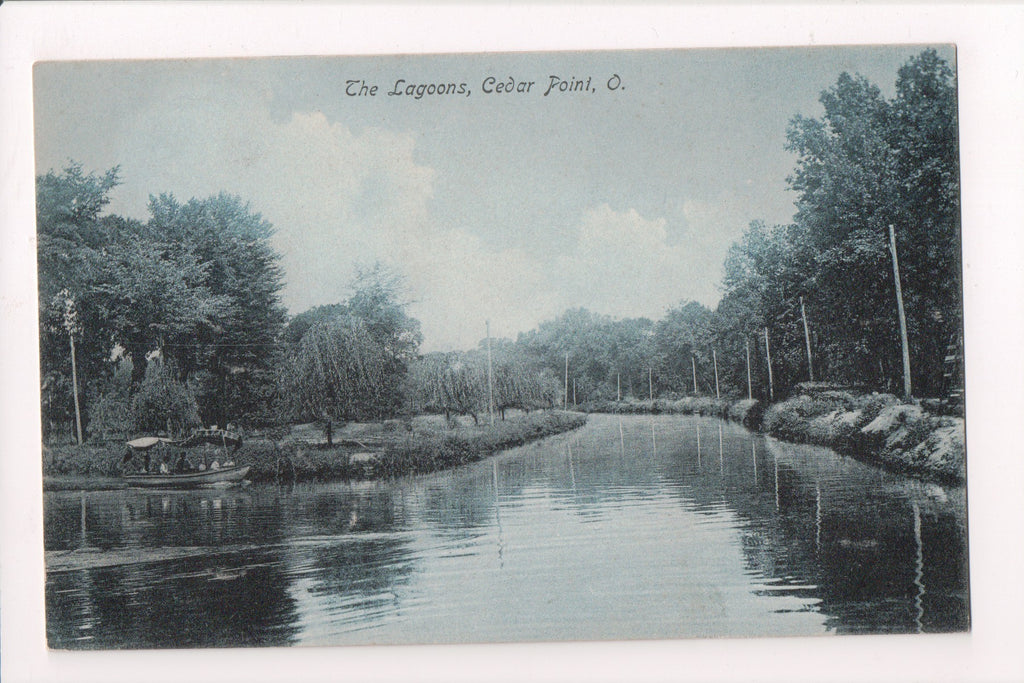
<point x="182" y="465"/>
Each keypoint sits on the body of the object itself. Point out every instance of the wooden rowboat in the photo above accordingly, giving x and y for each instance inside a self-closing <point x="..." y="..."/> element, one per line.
<point x="210" y="477"/>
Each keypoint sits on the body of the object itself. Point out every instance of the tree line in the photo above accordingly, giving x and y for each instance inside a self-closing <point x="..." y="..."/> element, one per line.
<point x="176" y="321"/>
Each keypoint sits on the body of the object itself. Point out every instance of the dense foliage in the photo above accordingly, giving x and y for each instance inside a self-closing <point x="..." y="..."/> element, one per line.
<point x="457" y="383"/>
<point x="869" y="163"/>
<point x="349" y="360"/>
<point x="195" y="287"/>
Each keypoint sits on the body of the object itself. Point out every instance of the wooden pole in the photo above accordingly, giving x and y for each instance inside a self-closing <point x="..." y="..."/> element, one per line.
<point x="768" y="354"/>
<point x="618" y="386"/>
<point x="74" y="387"/>
<point x="899" y="308"/>
<point x="807" y="338"/>
<point x="750" y="386"/>
<point x="693" y="364"/>
<point x="490" y="377"/>
<point x="650" y="383"/>
<point x="565" y="394"/>
<point x="574" y="393"/>
<point x="714" y="357"/>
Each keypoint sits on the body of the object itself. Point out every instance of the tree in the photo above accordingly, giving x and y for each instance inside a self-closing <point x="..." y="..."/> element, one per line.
<point x="163" y="403"/>
<point x="198" y="282"/>
<point x="350" y="359"/>
<point x="71" y="238"/>
<point x="337" y="369"/>
<point x="112" y="399"/>
<point x="866" y="164"/>
<point x="764" y="274"/>
<point x="683" y="334"/>
<point x="231" y="357"/>
<point x="452" y="383"/>
<point x="518" y="382"/>
<point x="600" y="351"/>
<point x="378" y="301"/>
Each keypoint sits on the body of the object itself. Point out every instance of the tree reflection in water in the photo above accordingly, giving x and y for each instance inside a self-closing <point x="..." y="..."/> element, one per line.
<point x="623" y="529"/>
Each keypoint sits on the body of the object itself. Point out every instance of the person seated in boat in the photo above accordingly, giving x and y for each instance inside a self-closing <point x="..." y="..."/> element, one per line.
<point x="129" y="465"/>
<point x="146" y="462"/>
<point x="165" y="467"/>
<point x="182" y="465"/>
<point x="215" y="465"/>
<point x="201" y="467"/>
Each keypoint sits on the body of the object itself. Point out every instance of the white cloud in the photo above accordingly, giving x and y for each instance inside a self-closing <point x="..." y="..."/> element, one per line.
<point x="624" y="265"/>
<point x="339" y="197"/>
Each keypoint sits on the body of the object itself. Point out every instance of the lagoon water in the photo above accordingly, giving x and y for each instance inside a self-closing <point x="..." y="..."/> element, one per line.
<point x="632" y="527"/>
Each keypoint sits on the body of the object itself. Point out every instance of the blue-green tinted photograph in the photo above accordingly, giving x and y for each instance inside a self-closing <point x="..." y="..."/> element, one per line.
<point x="477" y="348"/>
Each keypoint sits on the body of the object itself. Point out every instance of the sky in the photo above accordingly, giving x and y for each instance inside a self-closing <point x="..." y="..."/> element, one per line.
<point x="500" y="207"/>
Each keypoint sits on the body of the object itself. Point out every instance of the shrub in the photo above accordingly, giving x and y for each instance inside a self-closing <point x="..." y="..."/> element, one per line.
<point x="163" y="402"/>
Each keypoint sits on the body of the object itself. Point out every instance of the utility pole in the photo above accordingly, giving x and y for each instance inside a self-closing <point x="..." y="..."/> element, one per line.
<point x="574" y="393"/>
<point x="490" y="377"/>
<point x="74" y="386"/>
<point x="899" y="308"/>
<point x="807" y="338"/>
<point x="750" y="388"/>
<point x="714" y="357"/>
<point x="650" y="383"/>
<point x="693" y="364"/>
<point x="768" y="354"/>
<point x="618" y="386"/>
<point x="71" y="325"/>
<point x="565" y="394"/>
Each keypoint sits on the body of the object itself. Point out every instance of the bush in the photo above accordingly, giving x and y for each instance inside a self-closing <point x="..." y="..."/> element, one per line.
<point x="748" y="412"/>
<point x="162" y="402"/>
<point x="877" y="427"/>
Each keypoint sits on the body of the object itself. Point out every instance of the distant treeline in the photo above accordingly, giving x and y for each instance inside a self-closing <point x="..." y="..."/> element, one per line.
<point x="176" y="321"/>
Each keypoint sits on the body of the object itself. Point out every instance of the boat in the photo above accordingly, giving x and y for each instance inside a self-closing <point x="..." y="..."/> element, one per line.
<point x="185" y="477"/>
<point x="210" y="477"/>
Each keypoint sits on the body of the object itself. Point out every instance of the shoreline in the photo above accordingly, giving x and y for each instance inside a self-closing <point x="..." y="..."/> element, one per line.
<point x="416" y="446"/>
<point x="880" y="429"/>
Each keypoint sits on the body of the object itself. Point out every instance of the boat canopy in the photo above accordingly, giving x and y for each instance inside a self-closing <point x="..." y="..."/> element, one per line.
<point x="217" y="437"/>
<point x="144" y="443"/>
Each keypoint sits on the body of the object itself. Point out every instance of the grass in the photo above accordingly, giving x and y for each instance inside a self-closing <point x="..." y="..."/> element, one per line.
<point x="900" y="435"/>
<point x="421" y="444"/>
<point x="437" y="447"/>
<point x="747" y="411"/>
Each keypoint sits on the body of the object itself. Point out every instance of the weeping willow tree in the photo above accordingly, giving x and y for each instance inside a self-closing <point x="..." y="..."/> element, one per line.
<point x="520" y="384"/>
<point x="456" y="383"/>
<point x="451" y="383"/>
<point x="163" y="403"/>
<point x="337" y="369"/>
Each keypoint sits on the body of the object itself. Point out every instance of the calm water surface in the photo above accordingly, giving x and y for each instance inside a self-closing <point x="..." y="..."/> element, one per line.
<point x="632" y="527"/>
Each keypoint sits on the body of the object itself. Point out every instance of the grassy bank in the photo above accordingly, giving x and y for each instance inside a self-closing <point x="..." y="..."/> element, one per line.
<point x="441" y="449"/>
<point x="746" y="412"/>
<point x="422" y="444"/>
<point x="899" y="435"/>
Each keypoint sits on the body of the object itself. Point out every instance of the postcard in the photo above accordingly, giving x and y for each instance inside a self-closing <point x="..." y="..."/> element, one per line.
<point x="596" y="344"/>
